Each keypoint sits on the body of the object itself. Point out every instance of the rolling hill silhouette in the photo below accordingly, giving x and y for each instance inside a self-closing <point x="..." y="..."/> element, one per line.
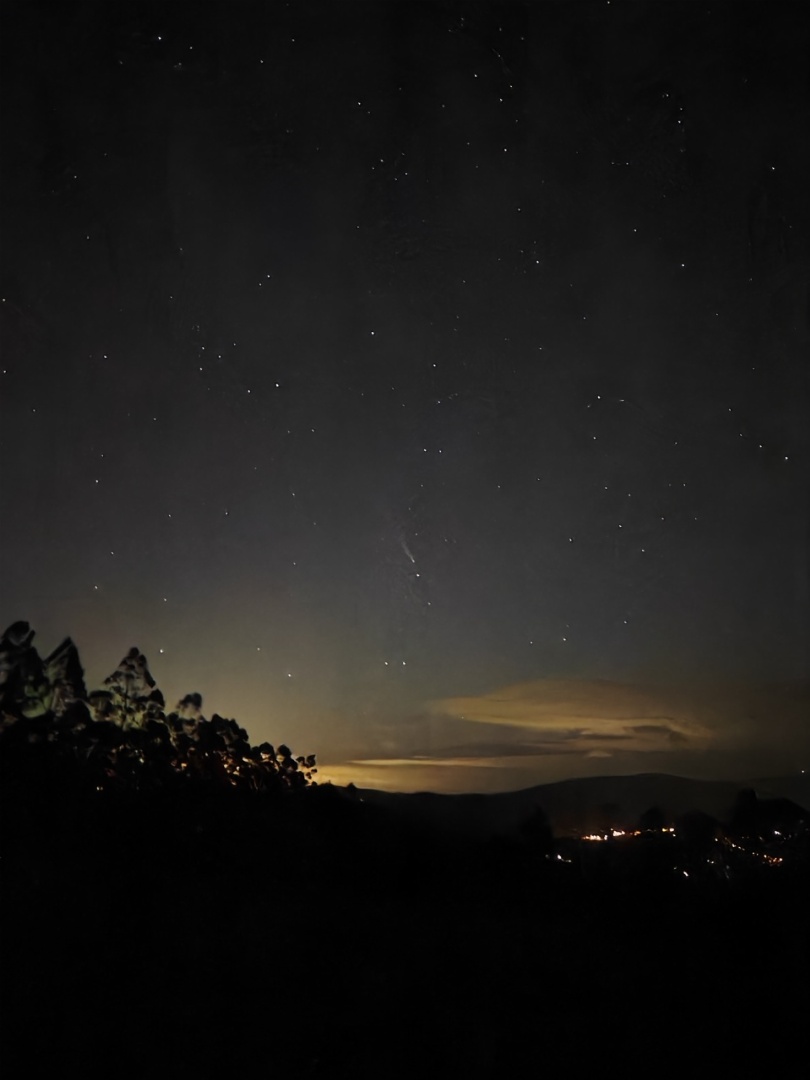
<point x="580" y="805"/>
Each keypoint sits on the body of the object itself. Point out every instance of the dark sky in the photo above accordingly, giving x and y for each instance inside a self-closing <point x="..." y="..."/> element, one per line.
<point x="424" y="384"/>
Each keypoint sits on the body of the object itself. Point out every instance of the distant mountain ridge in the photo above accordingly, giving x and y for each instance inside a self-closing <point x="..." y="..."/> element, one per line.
<point x="581" y="805"/>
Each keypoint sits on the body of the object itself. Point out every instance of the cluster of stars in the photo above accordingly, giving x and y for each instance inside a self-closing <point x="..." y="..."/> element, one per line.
<point x="282" y="438"/>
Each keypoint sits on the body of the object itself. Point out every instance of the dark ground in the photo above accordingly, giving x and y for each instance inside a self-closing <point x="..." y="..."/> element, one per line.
<point x="305" y="936"/>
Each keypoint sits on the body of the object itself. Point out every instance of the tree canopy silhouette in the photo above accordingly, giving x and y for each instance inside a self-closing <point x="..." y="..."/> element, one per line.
<point x="120" y="736"/>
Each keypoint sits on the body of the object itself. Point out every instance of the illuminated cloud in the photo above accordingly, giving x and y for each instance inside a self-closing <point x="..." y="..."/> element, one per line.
<point x="587" y="717"/>
<point x="473" y="762"/>
<point x="553" y="729"/>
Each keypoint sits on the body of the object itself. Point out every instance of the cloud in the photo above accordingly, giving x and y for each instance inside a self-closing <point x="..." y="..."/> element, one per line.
<point x="537" y="732"/>
<point x="473" y="762"/>
<point x="584" y="716"/>
<point x="674" y="736"/>
<point x="515" y="748"/>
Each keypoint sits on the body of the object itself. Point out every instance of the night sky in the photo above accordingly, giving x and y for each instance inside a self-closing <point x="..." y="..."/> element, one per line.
<point x="426" y="385"/>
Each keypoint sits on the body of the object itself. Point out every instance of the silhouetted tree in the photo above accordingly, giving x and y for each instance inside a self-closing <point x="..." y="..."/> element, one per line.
<point x="745" y="813"/>
<point x="536" y="831"/>
<point x="652" y="820"/>
<point x="609" y="815"/>
<point x="121" y="732"/>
